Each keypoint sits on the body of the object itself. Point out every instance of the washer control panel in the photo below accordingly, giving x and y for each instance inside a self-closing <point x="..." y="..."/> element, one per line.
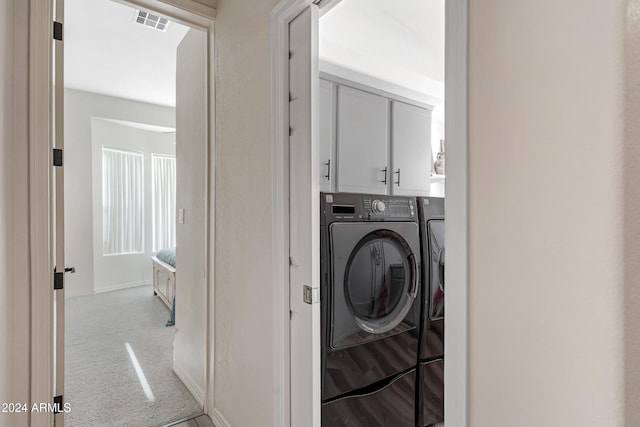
<point x="389" y="207"/>
<point x="378" y="207"/>
<point x="347" y="207"/>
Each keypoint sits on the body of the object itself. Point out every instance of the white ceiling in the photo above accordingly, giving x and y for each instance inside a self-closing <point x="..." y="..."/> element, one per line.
<point x="106" y="52"/>
<point x="401" y="41"/>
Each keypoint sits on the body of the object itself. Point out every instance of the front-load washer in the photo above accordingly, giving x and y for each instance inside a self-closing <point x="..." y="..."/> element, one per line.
<point x="370" y="280"/>
<point x="430" y="368"/>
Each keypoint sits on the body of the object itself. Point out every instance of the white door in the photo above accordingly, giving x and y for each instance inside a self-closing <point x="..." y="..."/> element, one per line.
<point x="362" y="142"/>
<point x="190" y="344"/>
<point x="327" y="135"/>
<point x="304" y="219"/>
<point x="411" y="149"/>
<point x="58" y="201"/>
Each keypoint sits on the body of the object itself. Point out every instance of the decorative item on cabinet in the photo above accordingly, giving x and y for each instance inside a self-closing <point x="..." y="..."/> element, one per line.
<point x="438" y="166"/>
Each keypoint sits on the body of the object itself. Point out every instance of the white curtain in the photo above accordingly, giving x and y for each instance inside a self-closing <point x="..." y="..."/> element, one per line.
<point x="164" y="201"/>
<point x="122" y="202"/>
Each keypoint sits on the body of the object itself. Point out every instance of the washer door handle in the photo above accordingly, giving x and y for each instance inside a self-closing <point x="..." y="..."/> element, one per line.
<point x="413" y="290"/>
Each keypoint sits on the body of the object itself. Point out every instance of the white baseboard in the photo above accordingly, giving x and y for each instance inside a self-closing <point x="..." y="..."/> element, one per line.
<point x="191" y="385"/>
<point x="72" y="294"/>
<point x="218" y="419"/>
<point x="121" y="286"/>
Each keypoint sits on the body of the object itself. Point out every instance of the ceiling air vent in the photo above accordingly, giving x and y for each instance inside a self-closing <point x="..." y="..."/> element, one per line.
<point x="152" y="21"/>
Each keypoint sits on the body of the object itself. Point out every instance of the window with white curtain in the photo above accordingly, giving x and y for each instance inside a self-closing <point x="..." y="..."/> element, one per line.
<point x="163" y="169"/>
<point x="122" y="202"/>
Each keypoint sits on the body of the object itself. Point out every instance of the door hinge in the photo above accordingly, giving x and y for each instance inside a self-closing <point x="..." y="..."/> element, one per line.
<point x="57" y="157"/>
<point x="58" y="280"/>
<point x="310" y="295"/>
<point x="57" y="30"/>
<point x="57" y="404"/>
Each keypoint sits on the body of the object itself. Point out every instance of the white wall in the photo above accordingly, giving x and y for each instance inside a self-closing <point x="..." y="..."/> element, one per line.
<point x="546" y="213"/>
<point x="400" y="42"/>
<point x="210" y="3"/>
<point x="191" y="126"/>
<point x="631" y="214"/>
<point x="80" y="107"/>
<point x="14" y="288"/>
<point x="6" y="214"/>
<point x="122" y="271"/>
<point x="244" y="336"/>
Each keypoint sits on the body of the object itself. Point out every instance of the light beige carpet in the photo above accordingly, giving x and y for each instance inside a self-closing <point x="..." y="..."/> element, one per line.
<point x="105" y="333"/>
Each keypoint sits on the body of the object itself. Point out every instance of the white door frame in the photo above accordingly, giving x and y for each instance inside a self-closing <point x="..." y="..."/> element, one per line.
<point x="284" y="13"/>
<point x="40" y="208"/>
<point x="41" y="193"/>
<point x="456" y="206"/>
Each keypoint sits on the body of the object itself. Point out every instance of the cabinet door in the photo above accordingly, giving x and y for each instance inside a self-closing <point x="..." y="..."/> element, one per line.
<point x="327" y="134"/>
<point x="362" y="142"/>
<point x="411" y="149"/>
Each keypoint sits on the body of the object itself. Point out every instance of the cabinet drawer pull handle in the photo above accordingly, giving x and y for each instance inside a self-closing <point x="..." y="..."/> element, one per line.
<point x="398" y="181"/>
<point x="328" y="165"/>
<point x="384" y="181"/>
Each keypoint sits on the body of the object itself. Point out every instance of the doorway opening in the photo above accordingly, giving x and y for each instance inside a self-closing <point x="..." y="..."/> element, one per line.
<point x="136" y="215"/>
<point x="300" y="219"/>
<point x="381" y="127"/>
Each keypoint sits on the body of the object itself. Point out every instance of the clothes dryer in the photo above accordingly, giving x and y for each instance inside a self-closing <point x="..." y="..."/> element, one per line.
<point x="430" y="368"/>
<point x="370" y="281"/>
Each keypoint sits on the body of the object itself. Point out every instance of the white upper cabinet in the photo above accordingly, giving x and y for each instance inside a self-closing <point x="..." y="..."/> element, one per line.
<point x="372" y="141"/>
<point x="362" y="123"/>
<point x="327" y="135"/>
<point x="410" y="149"/>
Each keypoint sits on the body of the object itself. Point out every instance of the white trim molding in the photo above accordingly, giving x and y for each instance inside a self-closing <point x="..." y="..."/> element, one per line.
<point x="456" y="371"/>
<point x="358" y="80"/>
<point x="190" y="384"/>
<point x="281" y="16"/>
<point x="283" y="13"/>
<point x="187" y="12"/>
<point x="120" y="286"/>
<point x="325" y="6"/>
<point x="385" y="89"/>
<point x="209" y="403"/>
<point x="41" y="214"/>
<point x="218" y="419"/>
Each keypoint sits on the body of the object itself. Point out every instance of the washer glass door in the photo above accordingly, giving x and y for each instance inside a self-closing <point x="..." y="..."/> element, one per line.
<point x="436" y="268"/>
<point x="375" y="288"/>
